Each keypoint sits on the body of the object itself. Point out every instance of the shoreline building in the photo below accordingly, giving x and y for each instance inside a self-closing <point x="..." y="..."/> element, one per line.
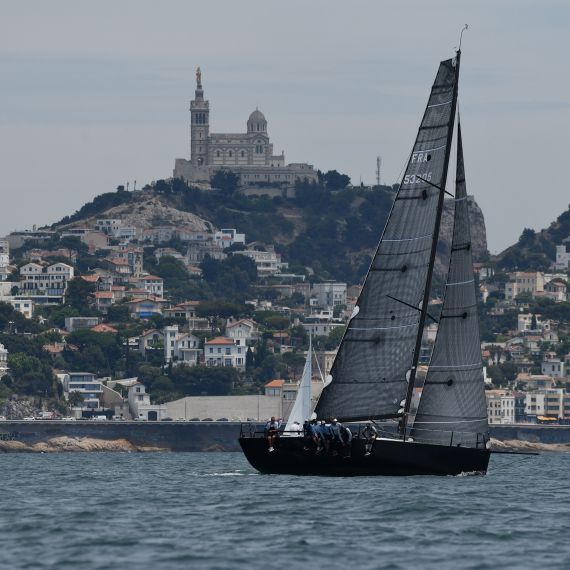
<point x="249" y="155"/>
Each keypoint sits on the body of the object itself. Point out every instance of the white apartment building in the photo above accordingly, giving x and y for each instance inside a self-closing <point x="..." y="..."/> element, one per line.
<point x="151" y="284"/>
<point x="221" y="351"/>
<point x="140" y="406"/>
<point x="24" y="306"/>
<point x="3" y="361"/>
<point x="4" y="259"/>
<point x="500" y="407"/>
<point x="40" y="280"/>
<point x="267" y="262"/>
<point x="329" y="294"/>
<point x="86" y="384"/>
<point x="181" y="348"/>
<point x="548" y="402"/>
<point x="228" y="237"/>
<point x="553" y="367"/>
<point x="243" y="332"/>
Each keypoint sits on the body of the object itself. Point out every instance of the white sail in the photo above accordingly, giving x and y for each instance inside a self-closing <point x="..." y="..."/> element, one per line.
<point x="302" y="407"/>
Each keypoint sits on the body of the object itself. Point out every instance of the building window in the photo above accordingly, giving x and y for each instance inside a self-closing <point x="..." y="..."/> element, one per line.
<point x="242" y="153"/>
<point x="218" y="153"/>
<point x="230" y="153"/>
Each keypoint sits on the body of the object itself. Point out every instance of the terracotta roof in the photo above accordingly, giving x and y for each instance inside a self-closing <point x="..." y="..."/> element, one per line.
<point x="90" y="278"/>
<point x="103" y="328"/>
<point x="220" y="340"/>
<point x="103" y="295"/>
<point x="275" y="384"/>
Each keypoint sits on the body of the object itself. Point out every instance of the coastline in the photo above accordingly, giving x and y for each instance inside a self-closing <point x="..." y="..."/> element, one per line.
<point x="142" y="437"/>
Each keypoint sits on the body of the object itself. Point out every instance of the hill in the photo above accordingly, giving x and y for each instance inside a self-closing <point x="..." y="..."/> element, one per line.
<point x="536" y="251"/>
<point x="329" y="233"/>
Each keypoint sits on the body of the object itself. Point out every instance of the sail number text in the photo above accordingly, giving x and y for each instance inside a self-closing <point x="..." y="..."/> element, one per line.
<point x="416" y="178"/>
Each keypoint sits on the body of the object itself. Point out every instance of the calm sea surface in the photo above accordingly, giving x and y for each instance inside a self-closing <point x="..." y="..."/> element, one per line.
<point x="198" y="510"/>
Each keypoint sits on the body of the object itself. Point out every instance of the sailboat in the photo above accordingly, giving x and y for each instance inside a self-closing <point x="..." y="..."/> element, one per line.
<point x="374" y="376"/>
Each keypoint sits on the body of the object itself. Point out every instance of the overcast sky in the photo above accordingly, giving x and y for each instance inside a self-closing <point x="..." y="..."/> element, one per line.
<point x="95" y="94"/>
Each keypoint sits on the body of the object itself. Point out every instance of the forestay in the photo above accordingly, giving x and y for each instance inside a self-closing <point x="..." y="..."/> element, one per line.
<point x="452" y="407"/>
<point x="376" y="353"/>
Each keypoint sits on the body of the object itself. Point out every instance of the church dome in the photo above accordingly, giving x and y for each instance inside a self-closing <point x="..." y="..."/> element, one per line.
<point x="256" y="122"/>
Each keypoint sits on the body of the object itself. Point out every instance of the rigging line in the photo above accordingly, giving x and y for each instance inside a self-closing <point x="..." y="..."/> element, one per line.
<point x="412" y="307"/>
<point x="407" y="239"/>
<point x="382" y="328"/>
<point x="453" y="422"/>
<point x="456" y="365"/>
<point x="434" y="185"/>
<point x="460" y="283"/>
<point x="440" y="104"/>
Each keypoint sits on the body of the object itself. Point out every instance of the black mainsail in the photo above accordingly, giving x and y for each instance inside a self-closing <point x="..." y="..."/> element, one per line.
<point x="375" y="366"/>
<point x="452" y="406"/>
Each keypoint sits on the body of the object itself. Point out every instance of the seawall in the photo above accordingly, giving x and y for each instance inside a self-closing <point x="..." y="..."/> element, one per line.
<point x="55" y="436"/>
<point x="45" y="436"/>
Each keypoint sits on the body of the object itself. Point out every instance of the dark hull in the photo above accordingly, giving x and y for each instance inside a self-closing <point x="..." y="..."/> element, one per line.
<point x="388" y="457"/>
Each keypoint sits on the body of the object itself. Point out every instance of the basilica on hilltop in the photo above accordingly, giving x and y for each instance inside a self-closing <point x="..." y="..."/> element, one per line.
<point x="249" y="154"/>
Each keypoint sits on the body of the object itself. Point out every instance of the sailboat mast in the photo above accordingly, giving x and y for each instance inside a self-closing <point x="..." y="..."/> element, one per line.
<point x="426" y="296"/>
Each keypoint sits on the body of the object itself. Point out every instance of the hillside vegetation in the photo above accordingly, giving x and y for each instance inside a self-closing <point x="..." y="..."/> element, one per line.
<point x="324" y="231"/>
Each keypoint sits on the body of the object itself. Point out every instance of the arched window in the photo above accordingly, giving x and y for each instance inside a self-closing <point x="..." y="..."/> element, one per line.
<point x="230" y="153"/>
<point x="242" y="153"/>
<point x="218" y="154"/>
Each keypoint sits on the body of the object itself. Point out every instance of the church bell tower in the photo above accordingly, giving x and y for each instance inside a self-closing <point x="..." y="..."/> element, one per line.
<point x="199" y="125"/>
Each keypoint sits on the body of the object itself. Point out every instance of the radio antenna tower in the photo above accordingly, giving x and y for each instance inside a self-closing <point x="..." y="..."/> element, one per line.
<point x="378" y="170"/>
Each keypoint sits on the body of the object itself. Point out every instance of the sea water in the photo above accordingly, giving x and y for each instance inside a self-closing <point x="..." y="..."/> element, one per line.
<point x="213" y="511"/>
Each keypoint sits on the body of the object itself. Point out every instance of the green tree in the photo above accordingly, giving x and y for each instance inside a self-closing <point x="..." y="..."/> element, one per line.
<point x="75" y="399"/>
<point x="226" y="181"/>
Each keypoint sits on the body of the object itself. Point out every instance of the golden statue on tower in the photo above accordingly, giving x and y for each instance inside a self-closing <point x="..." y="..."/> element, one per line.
<point x="198" y="78"/>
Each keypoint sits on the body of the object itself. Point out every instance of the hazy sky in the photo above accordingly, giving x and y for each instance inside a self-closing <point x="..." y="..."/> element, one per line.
<point x="95" y="94"/>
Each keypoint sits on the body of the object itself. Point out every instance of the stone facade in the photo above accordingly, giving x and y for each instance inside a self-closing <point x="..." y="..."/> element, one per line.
<point x="249" y="154"/>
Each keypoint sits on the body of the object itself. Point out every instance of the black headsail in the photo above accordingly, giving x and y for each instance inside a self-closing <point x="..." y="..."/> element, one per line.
<point x="374" y="362"/>
<point x="452" y="407"/>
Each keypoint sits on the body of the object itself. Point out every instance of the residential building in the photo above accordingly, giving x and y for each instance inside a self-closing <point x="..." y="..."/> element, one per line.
<point x="139" y="404"/>
<point x="180" y="347"/>
<point x="550" y="403"/>
<point x="267" y="262"/>
<point x="24" y="306"/>
<point x="152" y="339"/>
<point x="103" y="300"/>
<point x="329" y="294"/>
<point x="228" y="237"/>
<point x="76" y="323"/>
<point x="243" y="331"/>
<point x="500" y="407"/>
<point x="187" y="311"/>
<point x="221" y="351"/>
<point x="525" y="322"/>
<point x="4" y="259"/>
<point x="552" y="366"/>
<point x="45" y="283"/>
<point x="531" y="282"/>
<point x="85" y="384"/>
<point x="151" y="284"/>
<point x="3" y="360"/>
<point x="142" y="308"/>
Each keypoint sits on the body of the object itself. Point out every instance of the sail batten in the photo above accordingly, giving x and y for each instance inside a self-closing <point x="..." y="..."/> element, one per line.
<point x="453" y="396"/>
<point x="371" y="370"/>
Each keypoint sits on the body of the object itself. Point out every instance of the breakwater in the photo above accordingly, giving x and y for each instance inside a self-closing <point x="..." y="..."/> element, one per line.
<point x="55" y="436"/>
